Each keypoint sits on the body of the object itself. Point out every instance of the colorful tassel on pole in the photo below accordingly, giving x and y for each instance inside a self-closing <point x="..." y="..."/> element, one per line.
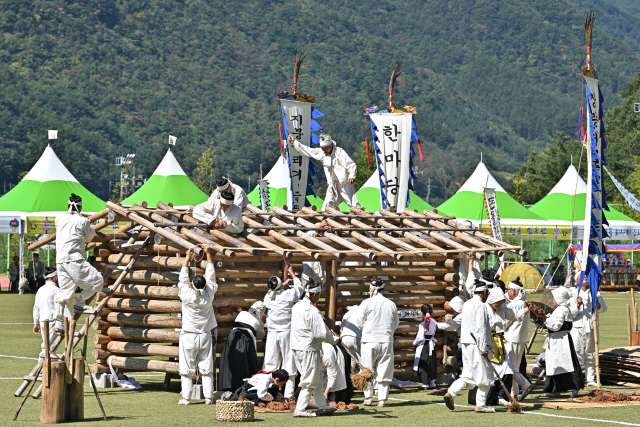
<point x="281" y="140"/>
<point x="420" y="151"/>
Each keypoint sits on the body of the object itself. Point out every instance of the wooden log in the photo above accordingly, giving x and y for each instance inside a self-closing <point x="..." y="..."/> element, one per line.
<point x="304" y="236"/>
<point x="409" y="285"/>
<point x="121" y="347"/>
<point x="284" y="239"/>
<point x="144" y="305"/>
<point x="237" y="301"/>
<point x="53" y="397"/>
<point x="150" y="335"/>
<point x="398" y="299"/>
<point x="332" y="292"/>
<point x="137" y="364"/>
<point x="378" y="270"/>
<point x="143" y="320"/>
<point x="240" y="272"/>
<point x="100" y="325"/>
<point x="148" y="291"/>
<point x="99" y="339"/>
<point x="74" y="406"/>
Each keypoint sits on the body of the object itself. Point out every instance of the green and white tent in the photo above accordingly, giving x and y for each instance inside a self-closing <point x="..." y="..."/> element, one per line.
<point x="168" y="184"/>
<point x="558" y="208"/>
<point x="278" y="181"/>
<point x="370" y="198"/>
<point x="45" y="190"/>
<point x="468" y="204"/>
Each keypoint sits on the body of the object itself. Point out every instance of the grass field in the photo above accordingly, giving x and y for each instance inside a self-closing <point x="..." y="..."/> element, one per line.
<point x="151" y="406"/>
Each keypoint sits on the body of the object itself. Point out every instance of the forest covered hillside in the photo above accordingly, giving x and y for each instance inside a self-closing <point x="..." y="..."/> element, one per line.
<point x="497" y="77"/>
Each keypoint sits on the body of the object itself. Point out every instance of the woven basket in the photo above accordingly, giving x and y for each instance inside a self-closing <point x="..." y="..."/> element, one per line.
<point x="234" y="411"/>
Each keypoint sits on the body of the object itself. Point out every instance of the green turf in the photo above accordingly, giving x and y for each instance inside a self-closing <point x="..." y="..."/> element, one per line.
<point x="153" y="407"/>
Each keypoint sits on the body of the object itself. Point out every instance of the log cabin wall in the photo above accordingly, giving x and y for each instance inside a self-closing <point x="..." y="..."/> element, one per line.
<point x="416" y="254"/>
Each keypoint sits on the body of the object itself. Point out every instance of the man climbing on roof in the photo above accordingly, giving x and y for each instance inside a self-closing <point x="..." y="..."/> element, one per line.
<point x="223" y="184"/>
<point x="339" y="169"/>
<point x="73" y="232"/>
<point x="221" y="214"/>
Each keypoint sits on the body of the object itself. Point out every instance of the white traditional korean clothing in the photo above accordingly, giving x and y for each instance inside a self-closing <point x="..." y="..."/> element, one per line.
<point x="339" y="169"/>
<point x="333" y="369"/>
<point x="198" y="320"/>
<point x="452" y="325"/>
<point x="277" y="352"/>
<point x="582" y="331"/>
<point x="499" y="321"/>
<point x="516" y="337"/>
<point x="73" y="232"/>
<point x="308" y="332"/>
<point x="476" y="369"/>
<point x="351" y="334"/>
<point x="378" y="318"/>
<point x="44" y="309"/>
<point x="240" y="198"/>
<point x="210" y="210"/>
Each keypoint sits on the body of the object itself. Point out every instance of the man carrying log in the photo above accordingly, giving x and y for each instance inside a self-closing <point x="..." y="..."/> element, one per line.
<point x="339" y="169"/>
<point x="44" y="307"/>
<point x="279" y="302"/>
<point x="308" y="332"/>
<point x="73" y="232"/>
<point x="223" y="184"/>
<point x="221" y="214"/>
<point x="198" y="320"/>
<point x="477" y="345"/>
<point x="378" y="319"/>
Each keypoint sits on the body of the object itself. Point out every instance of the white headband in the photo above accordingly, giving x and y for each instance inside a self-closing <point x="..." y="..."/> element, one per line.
<point x="224" y="187"/>
<point x="225" y="201"/>
<point x="480" y="288"/>
<point x="74" y="206"/>
<point x="325" y="141"/>
<point x="514" y="285"/>
<point x="54" y="273"/>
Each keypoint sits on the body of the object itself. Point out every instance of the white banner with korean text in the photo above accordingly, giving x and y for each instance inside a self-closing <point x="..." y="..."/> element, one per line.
<point x="393" y="154"/>
<point x="297" y="122"/>
<point x="492" y="211"/>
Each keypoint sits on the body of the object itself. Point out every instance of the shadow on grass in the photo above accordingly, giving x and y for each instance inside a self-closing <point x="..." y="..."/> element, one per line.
<point x="110" y="418"/>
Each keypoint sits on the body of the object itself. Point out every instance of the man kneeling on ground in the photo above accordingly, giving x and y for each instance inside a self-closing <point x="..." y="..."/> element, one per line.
<point x="263" y="387"/>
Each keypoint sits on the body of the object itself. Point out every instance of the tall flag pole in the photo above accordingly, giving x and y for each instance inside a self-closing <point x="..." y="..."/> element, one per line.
<point x="393" y="130"/>
<point x="596" y="196"/>
<point x="296" y="113"/>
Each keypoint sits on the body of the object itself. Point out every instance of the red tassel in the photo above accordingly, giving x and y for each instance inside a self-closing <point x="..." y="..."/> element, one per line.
<point x="420" y="151"/>
<point x="281" y="141"/>
<point x="366" y="141"/>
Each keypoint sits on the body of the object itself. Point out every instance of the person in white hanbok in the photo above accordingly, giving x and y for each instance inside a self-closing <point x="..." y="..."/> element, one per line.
<point x="73" y="232"/>
<point x="262" y="387"/>
<point x="198" y="320"/>
<point x="279" y="302"/>
<point x="425" y="361"/>
<point x="44" y="308"/>
<point x="308" y="332"/>
<point x="477" y="347"/>
<point x="351" y="334"/>
<point x="561" y="361"/>
<point x="582" y="332"/>
<point x="516" y="336"/>
<point x="221" y="214"/>
<point x="339" y="169"/>
<point x="378" y="319"/>
<point x="223" y="184"/>
<point x="336" y="374"/>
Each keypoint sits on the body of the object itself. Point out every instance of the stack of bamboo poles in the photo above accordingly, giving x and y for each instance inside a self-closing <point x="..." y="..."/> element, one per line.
<point x="416" y="253"/>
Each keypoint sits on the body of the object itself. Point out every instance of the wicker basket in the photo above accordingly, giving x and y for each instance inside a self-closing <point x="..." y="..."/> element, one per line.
<point x="234" y="411"/>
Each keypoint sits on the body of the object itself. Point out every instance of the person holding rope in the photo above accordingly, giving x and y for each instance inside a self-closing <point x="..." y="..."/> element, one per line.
<point x="378" y="319"/>
<point x="308" y="332"/>
<point x="73" y="232"/>
<point x="198" y="320"/>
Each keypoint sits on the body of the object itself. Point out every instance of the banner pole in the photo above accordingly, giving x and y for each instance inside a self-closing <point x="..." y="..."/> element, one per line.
<point x="597" y="341"/>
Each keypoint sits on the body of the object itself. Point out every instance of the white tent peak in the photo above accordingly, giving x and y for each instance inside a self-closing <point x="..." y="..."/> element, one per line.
<point x="479" y="179"/>
<point x="567" y="184"/>
<point x="169" y="166"/>
<point x="278" y="176"/>
<point x="49" y="168"/>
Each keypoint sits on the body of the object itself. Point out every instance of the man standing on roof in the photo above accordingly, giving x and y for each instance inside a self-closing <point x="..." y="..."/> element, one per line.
<point x="240" y="198"/>
<point x="221" y="214"/>
<point x="73" y="232"/>
<point x="339" y="169"/>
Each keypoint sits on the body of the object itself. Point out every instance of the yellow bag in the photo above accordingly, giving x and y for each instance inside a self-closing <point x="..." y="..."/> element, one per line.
<point x="499" y="350"/>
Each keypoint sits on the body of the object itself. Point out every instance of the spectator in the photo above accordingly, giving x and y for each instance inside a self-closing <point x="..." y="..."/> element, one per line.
<point x="14" y="274"/>
<point x="35" y="273"/>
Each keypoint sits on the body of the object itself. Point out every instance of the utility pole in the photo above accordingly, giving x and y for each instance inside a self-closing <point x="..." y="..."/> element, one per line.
<point x="122" y="162"/>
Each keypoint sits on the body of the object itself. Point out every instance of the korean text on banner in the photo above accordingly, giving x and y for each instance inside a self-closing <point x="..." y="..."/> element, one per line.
<point x="492" y="211"/>
<point x="265" y="202"/>
<point x="297" y="122"/>
<point x="393" y="155"/>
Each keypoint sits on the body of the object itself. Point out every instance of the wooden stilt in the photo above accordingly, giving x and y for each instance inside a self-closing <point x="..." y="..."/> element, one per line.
<point x="74" y="406"/>
<point x="53" y="398"/>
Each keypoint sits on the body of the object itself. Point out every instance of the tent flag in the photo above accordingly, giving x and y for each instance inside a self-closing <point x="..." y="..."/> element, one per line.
<point x="596" y="195"/>
<point x="622" y="247"/>
<point x="392" y="136"/>
<point x="298" y="121"/>
<point x="628" y="196"/>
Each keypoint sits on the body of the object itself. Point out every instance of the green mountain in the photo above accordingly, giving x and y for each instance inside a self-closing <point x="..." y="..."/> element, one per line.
<point x="485" y="76"/>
